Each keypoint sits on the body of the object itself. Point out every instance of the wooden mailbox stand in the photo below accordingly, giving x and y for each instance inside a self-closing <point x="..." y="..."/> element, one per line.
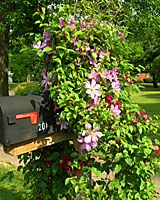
<point x="36" y="143"/>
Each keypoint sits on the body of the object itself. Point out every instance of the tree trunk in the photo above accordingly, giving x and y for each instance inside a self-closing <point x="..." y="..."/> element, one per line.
<point x="4" y="47"/>
<point x="155" y="84"/>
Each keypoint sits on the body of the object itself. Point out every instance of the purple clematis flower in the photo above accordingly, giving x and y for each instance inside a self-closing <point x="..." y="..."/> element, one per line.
<point x="89" y="137"/>
<point x="61" y="22"/>
<point x="47" y="33"/>
<point x="115" y="110"/>
<point x="78" y="63"/>
<point x="121" y="35"/>
<point x="63" y="123"/>
<point x="46" y="79"/>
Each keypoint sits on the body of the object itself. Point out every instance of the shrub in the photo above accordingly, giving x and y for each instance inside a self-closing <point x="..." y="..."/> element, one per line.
<point x="139" y="81"/>
<point x="27" y="88"/>
<point x="148" y="80"/>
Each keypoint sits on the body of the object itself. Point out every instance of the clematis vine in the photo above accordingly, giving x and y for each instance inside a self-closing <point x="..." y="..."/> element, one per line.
<point x="89" y="137"/>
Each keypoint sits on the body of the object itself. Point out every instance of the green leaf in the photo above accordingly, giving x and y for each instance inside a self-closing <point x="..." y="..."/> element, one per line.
<point x="40" y="53"/>
<point x="67" y="181"/>
<point x="131" y="128"/>
<point x="72" y="66"/>
<point x="38" y="22"/>
<point x="61" y="47"/>
<point x="118" y="157"/>
<point x="76" y="189"/>
<point x="74" y="154"/>
<point x="118" y="168"/>
<point x="46" y="49"/>
<point x="129" y="161"/>
<point x="53" y="156"/>
<point x="96" y="172"/>
<point x="43" y="10"/>
<point x="91" y="36"/>
<point x="58" y="60"/>
<point x="61" y="53"/>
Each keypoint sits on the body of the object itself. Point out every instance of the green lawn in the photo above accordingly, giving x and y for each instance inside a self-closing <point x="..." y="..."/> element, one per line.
<point x="11" y="190"/>
<point x="148" y="99"/>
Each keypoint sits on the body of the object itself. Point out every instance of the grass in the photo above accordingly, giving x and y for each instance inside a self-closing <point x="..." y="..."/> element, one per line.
<point x="148" y="99"/>
<point x="11" y="189"/>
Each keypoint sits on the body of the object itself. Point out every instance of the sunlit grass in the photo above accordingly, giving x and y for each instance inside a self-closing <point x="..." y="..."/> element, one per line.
<point x="148" y="99"/>
<point x="11" y="189"/>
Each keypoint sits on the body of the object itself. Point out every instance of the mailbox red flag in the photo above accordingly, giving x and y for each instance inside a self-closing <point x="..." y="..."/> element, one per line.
<point x="32" y="115"/>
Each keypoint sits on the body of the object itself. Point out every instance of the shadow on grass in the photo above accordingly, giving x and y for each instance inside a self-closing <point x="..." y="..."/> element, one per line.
<point x="150" y="108"/>
<point x="10" y="194"/>
<point x="151" y="96"/>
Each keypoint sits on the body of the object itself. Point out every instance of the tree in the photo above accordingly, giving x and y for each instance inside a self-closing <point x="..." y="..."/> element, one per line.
<point x="16" y="19"/>
<point x="24" y="64"/>
<point x="142" y="21"/>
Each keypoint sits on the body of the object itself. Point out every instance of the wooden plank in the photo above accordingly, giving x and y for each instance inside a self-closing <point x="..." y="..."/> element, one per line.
<point x="36" y="143"/>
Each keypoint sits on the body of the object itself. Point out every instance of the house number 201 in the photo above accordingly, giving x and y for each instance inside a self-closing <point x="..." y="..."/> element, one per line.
<point x="42" y="126"/>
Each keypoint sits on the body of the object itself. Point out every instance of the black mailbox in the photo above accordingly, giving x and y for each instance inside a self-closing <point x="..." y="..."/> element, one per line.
<point x="26" y="117"/>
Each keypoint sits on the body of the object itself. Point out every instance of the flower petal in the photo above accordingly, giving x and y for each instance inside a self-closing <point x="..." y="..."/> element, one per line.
<point x="88" y="85"/>
<point x="99" y="134"/>
<point x="94" y="144"/>
<point x="80" y="140"/>
<point x="94" y="138"/>
<point x="88" y="126"/>
<point x="87" y="139"/>
<point x="97" y="128"/>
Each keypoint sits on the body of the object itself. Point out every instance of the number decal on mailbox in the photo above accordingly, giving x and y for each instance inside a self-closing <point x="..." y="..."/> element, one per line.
<point x="42" y="126"/>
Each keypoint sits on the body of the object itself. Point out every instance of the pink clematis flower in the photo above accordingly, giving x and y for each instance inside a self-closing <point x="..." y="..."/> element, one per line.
<point x="107" y="75"/>
<point x="115" y="110"/>
<point x="93" y="89"/>
<point x="118" y="103"/>
<point x="115" y="86"/>
<point x="37" y="45"/>
<point x="47" y="80"/>
<point x="89" y="137"/>
<point x="94" y="75"/>
<point x="102" y="54"/>
<point x="146" y="116"/>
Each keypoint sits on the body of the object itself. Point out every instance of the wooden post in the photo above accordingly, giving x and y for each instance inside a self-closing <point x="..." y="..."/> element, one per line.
<point x="89" y="176"/>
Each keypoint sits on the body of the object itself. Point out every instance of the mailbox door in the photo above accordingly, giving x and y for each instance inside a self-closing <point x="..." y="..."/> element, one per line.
<point x="25" y="117"/>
